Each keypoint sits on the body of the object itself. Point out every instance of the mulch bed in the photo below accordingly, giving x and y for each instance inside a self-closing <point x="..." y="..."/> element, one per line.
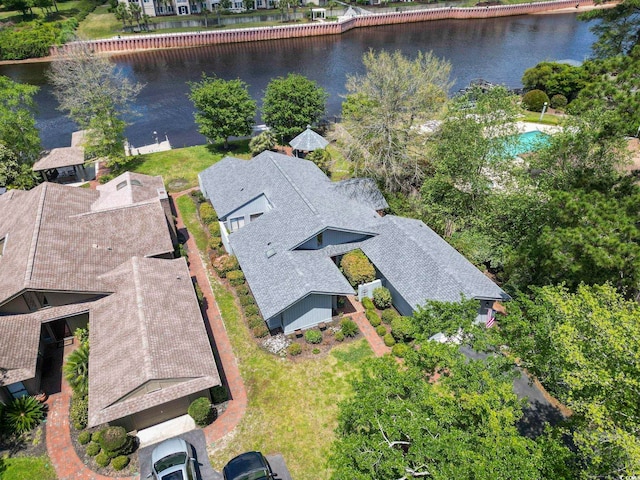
<point x="90" y="462"/>
<point x="30" y="444"/>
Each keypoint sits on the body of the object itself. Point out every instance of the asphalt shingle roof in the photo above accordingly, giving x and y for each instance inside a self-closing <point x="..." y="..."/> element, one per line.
<point x="308" y="141"/>
<point x="419" y="264"/>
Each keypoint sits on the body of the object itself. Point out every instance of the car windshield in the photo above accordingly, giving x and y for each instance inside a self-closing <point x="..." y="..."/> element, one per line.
<point x="255" y="475"/>
<point x="170" y="461"/>
<point x="173" y="476"/>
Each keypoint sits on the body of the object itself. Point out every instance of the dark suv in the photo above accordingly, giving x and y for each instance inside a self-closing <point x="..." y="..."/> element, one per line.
<point x="248" y="466"/>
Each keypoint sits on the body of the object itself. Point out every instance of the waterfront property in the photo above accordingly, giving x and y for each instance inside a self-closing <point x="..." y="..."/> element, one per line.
<point x="289" y="226"/>
<point x="72" y="258"/>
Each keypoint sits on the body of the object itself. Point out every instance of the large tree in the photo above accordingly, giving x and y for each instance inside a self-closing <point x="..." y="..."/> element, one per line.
<point x="14" y="174"/>
<point x="383" y="109"/>
<point x="17" y="123"/>
<point x="402" y="423"/>
<point x="224" y="108"/>
<point x="584" y="348"/>
<point x="291" y="103"/>
<point x="97" y="95"/>
<point x="617" y="28"/>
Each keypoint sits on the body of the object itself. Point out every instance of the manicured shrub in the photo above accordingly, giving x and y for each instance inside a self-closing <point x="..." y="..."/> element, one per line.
<point x="214" y="230"/>
<point x="235" y="277"/>
<point x="219" y="394"/>
<point x="348" y="327"/>
<point x="120" y="462"/>
<point x="114" y="441"/>
<point x="559" y="101"/>
<point x="201" y="412"/>
<point x="251" y="310"/>
<point x="102" y="459"/>
<point x="367" y="303"/>
<point x="84" y="438"/>
<point x="373" y="318"/>
<point x="23" y="414"/>
<point x="260" y="331"/>
<point x="402" y="329"/>
<point x="207" y="213"/>
<point x="198" y="197"/>
<point x="79" y="411"/>
<point x="246" y="300"/>
<point x="381" y="330"/>
<point x="382" y="297"/>
<point x="357" y="268"/>
<point x="243" y="289"/>
<point x="313" y="336"/>
<point x="400" y="349"/>
<point x="389" y="341"/>
<point x="388" y="315"/>
<point x="225" y="264"/>
<point x="215" y="242"/>
<point x="254" y="321"/>
<point x="294" y="349"/>
<point x="534" y="100"/>
<point x="93" y="449"/>
<point x="339" y="336"/>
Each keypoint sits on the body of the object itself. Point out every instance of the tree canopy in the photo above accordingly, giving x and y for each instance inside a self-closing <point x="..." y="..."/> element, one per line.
<point x="617" y="28"/>
<point x="224" y="108"/>
<point x="291" y="103"/>
<point x="17" y="123"/>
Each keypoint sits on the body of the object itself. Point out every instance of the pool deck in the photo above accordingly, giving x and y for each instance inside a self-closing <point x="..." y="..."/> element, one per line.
<point x="525" y="127"/>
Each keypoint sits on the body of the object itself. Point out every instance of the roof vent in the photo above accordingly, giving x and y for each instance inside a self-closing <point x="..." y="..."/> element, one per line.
<point x="270" y="253"/>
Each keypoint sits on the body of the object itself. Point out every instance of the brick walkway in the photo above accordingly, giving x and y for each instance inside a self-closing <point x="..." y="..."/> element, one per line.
<point x="375" y="340"/>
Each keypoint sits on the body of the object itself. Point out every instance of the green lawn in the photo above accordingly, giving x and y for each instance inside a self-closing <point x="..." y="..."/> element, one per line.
<point x="341" y="167"/>
<point x="190" y="217"/>
<point x="548" y="119"/>
<point x="292" y="405"/>
<point x="99" y="24"/>
<point x="180" y="167"/>
<point x="27" y="468"/>
<point x="65" y="10"/>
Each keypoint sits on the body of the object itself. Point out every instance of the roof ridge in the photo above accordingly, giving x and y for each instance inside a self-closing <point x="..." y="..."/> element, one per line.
<point x="35" y="235"/>
<point x="146" y="365"/>
<point x="294" y="186"/>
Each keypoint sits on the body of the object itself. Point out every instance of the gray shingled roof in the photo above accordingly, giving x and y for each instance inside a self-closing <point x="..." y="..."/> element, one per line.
<point x="60" y="157"/>
<point x="308" y="141"/>
<point x="161" y="337"/>
<point x="305" y="202"/>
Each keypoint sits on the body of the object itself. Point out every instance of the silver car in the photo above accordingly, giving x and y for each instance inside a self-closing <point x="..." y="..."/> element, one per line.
<point x="172" y="460"/>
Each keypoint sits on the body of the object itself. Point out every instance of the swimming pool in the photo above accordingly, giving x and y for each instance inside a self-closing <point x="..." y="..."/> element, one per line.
<point x="529" y="142"/>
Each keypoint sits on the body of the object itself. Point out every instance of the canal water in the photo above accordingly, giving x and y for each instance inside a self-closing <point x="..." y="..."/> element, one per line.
<point x="497" y="50"/>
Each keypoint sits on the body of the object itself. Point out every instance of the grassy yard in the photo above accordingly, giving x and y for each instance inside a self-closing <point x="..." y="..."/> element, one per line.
<point x="27" y="468"/>
<point x="548" y="119"/>
<point x="292" y="405"/>
<point x="190" y="217"/>
<point x="180" y="167"/>
<point x="99" y="24"/>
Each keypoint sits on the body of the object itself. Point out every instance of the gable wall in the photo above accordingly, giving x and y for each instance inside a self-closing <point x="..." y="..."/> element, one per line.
<point x="307" y="313"/>
<point x="332" y="237"/>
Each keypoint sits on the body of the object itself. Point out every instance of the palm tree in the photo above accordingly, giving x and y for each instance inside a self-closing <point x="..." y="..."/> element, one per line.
<point x="136" y="12"/>
<point x="122" y="13"/>
<point x="76" y="369"/>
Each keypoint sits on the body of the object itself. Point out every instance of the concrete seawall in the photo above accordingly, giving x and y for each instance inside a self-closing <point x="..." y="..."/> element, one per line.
<point x="182" y="40"/>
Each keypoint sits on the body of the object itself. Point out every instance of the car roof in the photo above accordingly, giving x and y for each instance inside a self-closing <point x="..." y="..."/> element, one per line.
<point x="244" y="463"/>
<point x="173" y="445"/>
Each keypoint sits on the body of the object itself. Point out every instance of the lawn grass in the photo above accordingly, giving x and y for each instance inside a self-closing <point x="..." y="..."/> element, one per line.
<point x="27" y="468"/>
<point x="99" y="24"/>
<point x="65" y="10"/>
<point x="180" y="167"/>
<point x="341" y="167"/>
<point x="548" y="119"/>
<point x="292" y="406"/>
<point x="187" y="208"/>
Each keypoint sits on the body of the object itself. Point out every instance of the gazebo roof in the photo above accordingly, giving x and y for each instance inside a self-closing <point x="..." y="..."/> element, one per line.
<point x="60" y="157"/>
<point x="308" y="141"/>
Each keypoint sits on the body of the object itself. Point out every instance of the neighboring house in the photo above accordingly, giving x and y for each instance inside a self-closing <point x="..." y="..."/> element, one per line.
<point x="155" y="8"/>
<point x="72" y="257"/>
<point x="289" y="226"/>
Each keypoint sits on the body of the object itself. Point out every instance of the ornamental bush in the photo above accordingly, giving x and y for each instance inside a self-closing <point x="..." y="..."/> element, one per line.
<point x="313" y="336"/>
<point x="225" y="264"/>
<point x="214" y="243"/>
<point x="367" y="303"/>
<point x="254" y="321"/>
<point x="381" y="330"/>
<point x="402" y="329"/>
<point x="120" y="462"/>
<point x="400" y="349"/>
<point x="208" y="214"/>
<point x="246" y="300"/>
<point x="382" y="297"/>
<point x="348" y="327"/>
<point x="389" y="341"/>
<point x="114" y="441"/>
<point x="23" y="414"/>
<point x="357" y="268"/>
<point x="260" y="331"/>
<point x="339" y="336"/>
<point x="79" y="411"/>
<point x="235" y="277"/>
<point x="102" y="459"/>
<point x="251" y="310"/>
<point x="388" y="315"/>
<point x="559" y="101"/>
<point x="93" y="449"/>
<point x="243" y="289"/>
<point x="214" y="229"/>
<point x="201" y="412"/>
<point x="84" y="438"/>
<point x="373" y="318"/>
<point x="294" y="349"/>
<point x="534" y="100"/>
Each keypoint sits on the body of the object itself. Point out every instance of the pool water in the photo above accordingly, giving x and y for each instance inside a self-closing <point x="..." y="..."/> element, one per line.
<point x="529" y="142"/>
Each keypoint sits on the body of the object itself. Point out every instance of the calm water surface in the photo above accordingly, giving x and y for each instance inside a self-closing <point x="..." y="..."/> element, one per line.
<point x="498" y="50"/>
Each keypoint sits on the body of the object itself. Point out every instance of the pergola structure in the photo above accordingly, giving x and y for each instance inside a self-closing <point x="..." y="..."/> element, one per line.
<point x="62" y="165"/>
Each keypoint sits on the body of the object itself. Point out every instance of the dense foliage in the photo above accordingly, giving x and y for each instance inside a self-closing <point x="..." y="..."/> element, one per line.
<point x="357" y="268"/>
<point x="201" y="411"/>
<point x="76" y="370"/>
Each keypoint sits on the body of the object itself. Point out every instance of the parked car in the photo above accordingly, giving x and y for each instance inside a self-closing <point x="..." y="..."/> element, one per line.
<point x="248" y="466"/>
<point x="172" y="460"/>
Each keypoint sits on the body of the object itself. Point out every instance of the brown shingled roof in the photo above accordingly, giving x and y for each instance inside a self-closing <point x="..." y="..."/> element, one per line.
<point x="161" y="337"/>
<point x="60" y="157"/>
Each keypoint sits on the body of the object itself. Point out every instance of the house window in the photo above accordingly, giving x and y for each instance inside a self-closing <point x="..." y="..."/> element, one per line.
<point x="253" y="216"/>
<point x="121" y="185"/>
<point x="236" y="223"/>
<point x="17" y="390"/>
<point x="319" y="239"/>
